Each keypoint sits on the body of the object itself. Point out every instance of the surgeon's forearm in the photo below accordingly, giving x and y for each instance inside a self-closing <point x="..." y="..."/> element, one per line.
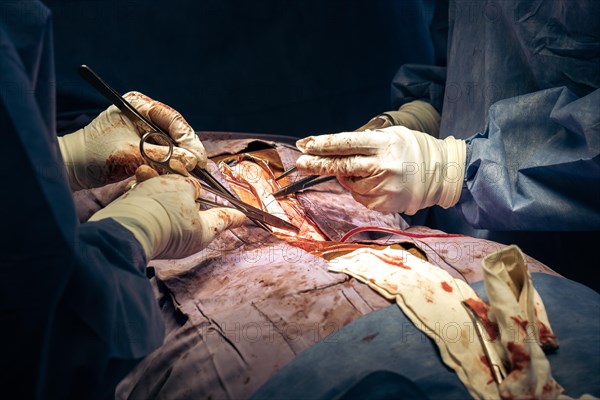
<point x="111" y="281"/>
<point x="417" y="115"/>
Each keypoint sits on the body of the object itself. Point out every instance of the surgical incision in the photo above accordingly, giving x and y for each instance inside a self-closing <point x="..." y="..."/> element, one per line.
<point x="252" y="177"/>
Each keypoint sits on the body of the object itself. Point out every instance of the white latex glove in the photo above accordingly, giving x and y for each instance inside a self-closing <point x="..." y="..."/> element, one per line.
<point x="390" y="169"/>
<point x="107" y="150"/>
<point x="163" y="215"/>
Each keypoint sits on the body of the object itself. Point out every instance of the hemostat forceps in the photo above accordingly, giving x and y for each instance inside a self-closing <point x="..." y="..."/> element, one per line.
<point x="157" y="135"/>
<point x="303" y="183"/>
<point x="300" y="184"/>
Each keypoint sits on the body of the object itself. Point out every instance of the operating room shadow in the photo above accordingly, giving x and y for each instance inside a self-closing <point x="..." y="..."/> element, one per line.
<point x="293" y="68"/>
<point x="570" y="254"/>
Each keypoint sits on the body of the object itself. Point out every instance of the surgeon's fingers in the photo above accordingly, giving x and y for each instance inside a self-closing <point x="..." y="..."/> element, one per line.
<point x="158" y="153"/>
<point x="339" y="166"/>
<point x="345" y="143"/>
<point x="171" y="121"/>
<point x="144" y="172"/>
<point x="359" y="185"/>
<point x="148" y="183"/>
<point x="195" y="183"/>
<point x="360" y="191"/>
<point x="217" y="220"/>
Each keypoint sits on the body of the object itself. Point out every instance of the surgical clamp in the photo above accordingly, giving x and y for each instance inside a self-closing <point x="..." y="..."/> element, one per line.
<point x="258" y="216"/>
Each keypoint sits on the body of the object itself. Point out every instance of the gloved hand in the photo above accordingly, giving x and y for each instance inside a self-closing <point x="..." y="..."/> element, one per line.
<point x="416" y="115"/>
<point x="163" y="215"/>
<point x="391" y="169"/>
<point x="107" y="150"/>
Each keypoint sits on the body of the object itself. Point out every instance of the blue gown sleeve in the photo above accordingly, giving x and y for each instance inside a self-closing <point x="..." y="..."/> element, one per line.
<point x="106" y="319"/>
<point x="536" y="166"/>
<point x="76" y="309"/>
<point x="419" y="82"/>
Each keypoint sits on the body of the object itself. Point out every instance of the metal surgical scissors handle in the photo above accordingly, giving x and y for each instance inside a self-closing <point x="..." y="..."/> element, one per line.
<point x="156" y="134"/>
<point x="255" y="214"/>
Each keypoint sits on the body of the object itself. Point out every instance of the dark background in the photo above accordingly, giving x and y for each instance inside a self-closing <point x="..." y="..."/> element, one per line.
<point x="282" y="67"/>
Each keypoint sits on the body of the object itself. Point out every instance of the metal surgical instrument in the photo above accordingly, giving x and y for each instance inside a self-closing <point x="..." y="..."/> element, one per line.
<point x="157" y="135"/>
<point x="300" y="184"/>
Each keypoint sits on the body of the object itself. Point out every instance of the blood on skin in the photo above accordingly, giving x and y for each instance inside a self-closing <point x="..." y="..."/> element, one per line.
<point x="243" y="189"/>
<point x="259" y="194"/>
<point x="481" y="310"/>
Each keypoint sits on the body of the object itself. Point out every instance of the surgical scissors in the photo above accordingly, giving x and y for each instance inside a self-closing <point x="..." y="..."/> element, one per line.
<point x="156" y="134"/>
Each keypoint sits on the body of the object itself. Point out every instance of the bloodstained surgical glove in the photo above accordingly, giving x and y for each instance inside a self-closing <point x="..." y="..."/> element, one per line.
<point x="394" y="169"/>
<point x="107" y="150"/>
<point x="163" y="215"/>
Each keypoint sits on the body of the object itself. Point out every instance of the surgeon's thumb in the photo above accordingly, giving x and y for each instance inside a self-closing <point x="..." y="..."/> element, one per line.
<point x="144" y="172"/>
<point x="159" y="153"/>
<point x="217" y="220"/>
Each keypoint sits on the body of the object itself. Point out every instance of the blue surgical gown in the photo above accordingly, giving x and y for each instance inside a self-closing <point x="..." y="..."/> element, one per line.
<point x="76" y="308"/>
<point x="520" y="82"/>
